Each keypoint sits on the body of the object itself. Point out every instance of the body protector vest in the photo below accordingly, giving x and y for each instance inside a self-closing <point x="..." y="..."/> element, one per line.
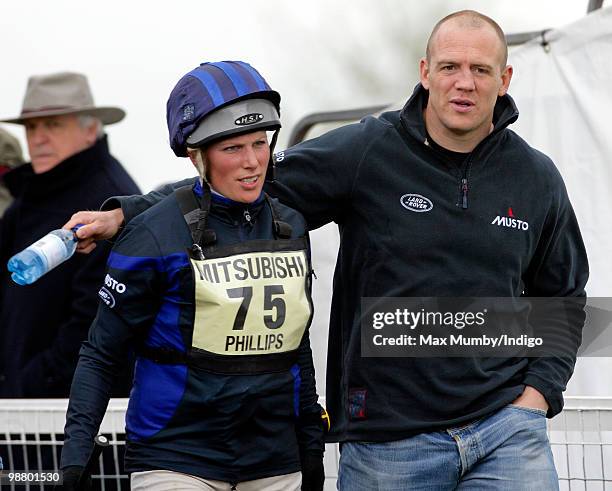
<point x="252" y="299"/>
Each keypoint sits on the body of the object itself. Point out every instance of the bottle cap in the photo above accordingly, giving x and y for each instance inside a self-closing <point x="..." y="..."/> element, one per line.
<point x="74" y="230"/>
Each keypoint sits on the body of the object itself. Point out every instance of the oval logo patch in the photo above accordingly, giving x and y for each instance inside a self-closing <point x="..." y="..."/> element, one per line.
<point x="107" y="297"/>
<point x="416" y="202"/>
<point x="248" y="119"/>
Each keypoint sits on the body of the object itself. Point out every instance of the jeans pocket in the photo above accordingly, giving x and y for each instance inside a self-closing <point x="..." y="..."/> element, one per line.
<point x="532" y="410"/>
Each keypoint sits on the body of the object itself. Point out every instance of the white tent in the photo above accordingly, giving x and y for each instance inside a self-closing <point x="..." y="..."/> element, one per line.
<point x="562" y="85"/>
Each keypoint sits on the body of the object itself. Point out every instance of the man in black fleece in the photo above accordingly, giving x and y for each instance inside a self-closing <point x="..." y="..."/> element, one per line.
<point x="440" y="199"/>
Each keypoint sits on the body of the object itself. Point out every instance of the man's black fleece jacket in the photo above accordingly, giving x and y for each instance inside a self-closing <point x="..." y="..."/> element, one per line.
<point x="469" y="244"/>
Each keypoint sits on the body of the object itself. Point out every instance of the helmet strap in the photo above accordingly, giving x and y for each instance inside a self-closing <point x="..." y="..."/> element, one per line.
<point x="271" y="172"/>
<point x="200" y="164"/>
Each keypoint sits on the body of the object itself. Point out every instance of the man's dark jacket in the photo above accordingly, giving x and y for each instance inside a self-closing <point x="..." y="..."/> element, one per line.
<point x="42" y="325"/>
<point x="466" y="243"/>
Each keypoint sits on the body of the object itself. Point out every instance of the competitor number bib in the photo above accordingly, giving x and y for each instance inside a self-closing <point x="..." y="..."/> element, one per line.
<point x="254" y="303"/>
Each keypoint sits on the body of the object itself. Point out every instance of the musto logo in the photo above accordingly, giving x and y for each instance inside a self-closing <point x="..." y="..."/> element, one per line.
<point x="510" y="223"/>
<point x="416" y="202"/>
<point x="105" y="292"/>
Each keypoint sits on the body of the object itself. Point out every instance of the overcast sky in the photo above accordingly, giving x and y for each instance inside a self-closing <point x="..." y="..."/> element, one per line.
<point x="134" y="52"/>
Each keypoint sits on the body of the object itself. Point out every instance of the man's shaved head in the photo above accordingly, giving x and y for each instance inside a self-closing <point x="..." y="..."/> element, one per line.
<point x="470" y="19"/>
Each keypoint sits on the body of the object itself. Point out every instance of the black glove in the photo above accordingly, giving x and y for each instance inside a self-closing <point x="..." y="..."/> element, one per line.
<point x="313" y="473"/>
<point x="72" y="475"/>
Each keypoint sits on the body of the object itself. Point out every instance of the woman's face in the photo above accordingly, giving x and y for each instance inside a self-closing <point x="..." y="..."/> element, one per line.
<point x="236" y="166"/>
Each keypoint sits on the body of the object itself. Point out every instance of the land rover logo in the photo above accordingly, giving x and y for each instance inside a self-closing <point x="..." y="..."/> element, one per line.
<point x="107" y="297"/>
<point x="248" y="119"/>
<point x="416" y="202"/>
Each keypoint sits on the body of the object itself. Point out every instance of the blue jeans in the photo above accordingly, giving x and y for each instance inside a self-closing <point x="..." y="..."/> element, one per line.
<point x="508" y="450"/>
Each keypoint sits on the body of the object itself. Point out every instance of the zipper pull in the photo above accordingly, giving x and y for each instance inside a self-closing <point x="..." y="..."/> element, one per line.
<point x="247" y="216"/>
<point x="464" y="189"/>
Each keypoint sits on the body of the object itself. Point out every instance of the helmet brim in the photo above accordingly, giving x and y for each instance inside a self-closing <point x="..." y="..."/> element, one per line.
<point x="243" y="116"/>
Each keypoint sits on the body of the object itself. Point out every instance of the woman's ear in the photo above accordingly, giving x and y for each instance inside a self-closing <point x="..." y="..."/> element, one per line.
<point x="196" y="155"/>
<point x="192" y="154"/>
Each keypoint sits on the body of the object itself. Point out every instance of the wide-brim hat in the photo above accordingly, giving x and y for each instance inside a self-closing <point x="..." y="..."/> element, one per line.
<point x="62" y="93"/>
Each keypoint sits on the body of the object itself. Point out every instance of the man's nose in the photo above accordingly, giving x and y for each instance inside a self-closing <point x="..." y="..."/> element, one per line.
<point x="465" y="80"/>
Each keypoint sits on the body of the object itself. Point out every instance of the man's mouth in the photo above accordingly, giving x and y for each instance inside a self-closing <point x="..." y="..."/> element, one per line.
<point x="462" y="105"/>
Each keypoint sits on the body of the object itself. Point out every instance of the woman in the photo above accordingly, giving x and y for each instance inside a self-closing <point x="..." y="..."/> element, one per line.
<point x="211" y="289"/>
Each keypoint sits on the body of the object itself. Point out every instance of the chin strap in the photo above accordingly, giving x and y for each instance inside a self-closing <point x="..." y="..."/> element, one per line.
<point x="271" y="172"/>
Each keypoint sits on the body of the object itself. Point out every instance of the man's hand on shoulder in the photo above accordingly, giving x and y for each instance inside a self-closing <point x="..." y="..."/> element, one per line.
<point x="531" y="398"/>
<point x="97" y="225"/>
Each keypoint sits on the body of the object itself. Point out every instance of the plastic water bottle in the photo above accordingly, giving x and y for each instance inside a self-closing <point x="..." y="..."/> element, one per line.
<point x="43" y="255"/>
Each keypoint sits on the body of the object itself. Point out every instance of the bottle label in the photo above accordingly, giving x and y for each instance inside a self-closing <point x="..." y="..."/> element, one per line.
<point x="52" y="248"/>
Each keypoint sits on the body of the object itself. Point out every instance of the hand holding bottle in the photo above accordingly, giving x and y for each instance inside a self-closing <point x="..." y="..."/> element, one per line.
<point x="42" y="256"/>
<point x="96" y="225"/>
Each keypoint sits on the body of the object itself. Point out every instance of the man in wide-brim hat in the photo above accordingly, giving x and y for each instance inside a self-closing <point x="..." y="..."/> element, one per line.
<point x="61" y="118"/>
<point x="43" y="325"/>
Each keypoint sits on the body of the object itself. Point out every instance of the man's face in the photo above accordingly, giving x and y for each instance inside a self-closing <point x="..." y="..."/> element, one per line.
<point x="464" y="76"/>
<point x="53" y="139"/>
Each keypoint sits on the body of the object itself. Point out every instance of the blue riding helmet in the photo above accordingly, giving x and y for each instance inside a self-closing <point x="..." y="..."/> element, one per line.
<point x="219" y="99"/>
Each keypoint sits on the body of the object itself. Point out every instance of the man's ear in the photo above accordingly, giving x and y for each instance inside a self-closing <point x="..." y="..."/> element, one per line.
<point x="506" y="76"/>
<point x="91" y="133"/>
<point x="424" y="72"/>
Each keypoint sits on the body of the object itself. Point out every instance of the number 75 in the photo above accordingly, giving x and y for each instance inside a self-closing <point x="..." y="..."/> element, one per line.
<point x="270" y="303"/>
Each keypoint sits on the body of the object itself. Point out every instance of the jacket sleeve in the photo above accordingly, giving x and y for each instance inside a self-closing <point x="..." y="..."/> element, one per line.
<point x="135" y="204"/>
<point x="558" y="270"/>
<point x="127" y="309"/>
<point x="55" y="365"/>
<point x="309" y="426"/>
<point x="317" y="176"/>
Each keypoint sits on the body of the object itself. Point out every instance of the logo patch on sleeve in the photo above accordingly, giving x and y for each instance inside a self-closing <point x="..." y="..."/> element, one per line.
<point x="107" y="297"/>
<point x="357" y="403"/>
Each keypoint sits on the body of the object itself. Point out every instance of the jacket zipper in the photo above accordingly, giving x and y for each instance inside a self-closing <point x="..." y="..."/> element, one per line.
<point x="463" y="184"/>
<point x="464" y="190"/>
<point x="247" y="216"/>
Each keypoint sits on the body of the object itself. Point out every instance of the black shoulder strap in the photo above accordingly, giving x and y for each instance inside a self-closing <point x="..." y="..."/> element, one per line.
<point x="196" y="214"/>
<point x="282" y="230"/>
<point x="190" y="208"/>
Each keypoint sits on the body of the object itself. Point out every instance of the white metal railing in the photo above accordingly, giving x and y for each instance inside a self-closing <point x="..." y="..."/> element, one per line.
<point x="31" y="434"/>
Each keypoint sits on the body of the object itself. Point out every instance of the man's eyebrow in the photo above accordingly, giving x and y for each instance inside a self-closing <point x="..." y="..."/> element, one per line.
<point x="482" y="65"/>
